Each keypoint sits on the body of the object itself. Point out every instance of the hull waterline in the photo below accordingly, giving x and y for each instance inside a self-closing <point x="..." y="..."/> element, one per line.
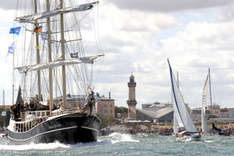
<point x="67" y="129"/>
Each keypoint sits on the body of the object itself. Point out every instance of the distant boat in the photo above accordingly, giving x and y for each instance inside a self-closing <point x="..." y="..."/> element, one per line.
<point x="207" y="95"/>
<point x="184" y="127"/>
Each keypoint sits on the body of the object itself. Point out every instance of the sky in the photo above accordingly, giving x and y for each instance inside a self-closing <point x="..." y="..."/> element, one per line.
<point x="138" y="36"/>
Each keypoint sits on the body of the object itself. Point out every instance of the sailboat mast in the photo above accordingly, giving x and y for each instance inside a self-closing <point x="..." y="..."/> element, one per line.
<point x="38" y="53"/>
<point x="178" y="81"/>
<point x="13" y="79"/>
<point x="63" y="55"/>
<point x="3" y="99"/>
<point x="211" y="102"/>
<point x="49" y="58"/>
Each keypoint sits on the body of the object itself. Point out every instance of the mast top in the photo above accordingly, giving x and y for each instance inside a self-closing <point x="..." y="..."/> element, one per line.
<point x="37" y="16"/>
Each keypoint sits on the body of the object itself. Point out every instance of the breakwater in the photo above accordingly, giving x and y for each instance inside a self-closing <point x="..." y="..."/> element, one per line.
<point x="137" y="128"/>
<point x="159" y="129"/>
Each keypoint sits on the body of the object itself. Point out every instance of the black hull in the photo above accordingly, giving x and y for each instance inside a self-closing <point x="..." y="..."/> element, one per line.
<point x="68" y="129"/>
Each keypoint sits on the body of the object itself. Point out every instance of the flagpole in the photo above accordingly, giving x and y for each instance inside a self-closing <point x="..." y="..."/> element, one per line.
<point x="49" y="59"/>
<point x="38" y="54"/>
<point x="11" y="50"/>
<point x="63" y="55"/>
<point x="13" y="75"/>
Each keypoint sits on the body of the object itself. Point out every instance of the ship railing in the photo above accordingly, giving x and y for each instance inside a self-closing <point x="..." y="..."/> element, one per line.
<point x="69" y="111"/>
<point x="65" y="111"/>
<point x="56" y="113"/>
<point x="24" y="126"/>
<point x="39" y="114"/>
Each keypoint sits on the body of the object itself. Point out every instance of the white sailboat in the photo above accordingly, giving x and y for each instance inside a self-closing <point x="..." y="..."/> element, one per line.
<point x="207" y="100"/>
<point x="206" y="90"/>
<point x="184" y="127"/>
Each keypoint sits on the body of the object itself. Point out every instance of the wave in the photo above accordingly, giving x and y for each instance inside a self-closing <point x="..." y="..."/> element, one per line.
<point x="112" y="138"/>
<point x="33" y="146"/>
<point x="120" y="137"/>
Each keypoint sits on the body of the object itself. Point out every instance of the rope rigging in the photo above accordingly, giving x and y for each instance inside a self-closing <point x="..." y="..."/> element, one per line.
<point x="79" y="77"/>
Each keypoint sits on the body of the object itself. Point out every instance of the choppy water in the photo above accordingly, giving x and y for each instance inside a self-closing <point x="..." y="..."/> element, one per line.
<point x="118" y="144"/>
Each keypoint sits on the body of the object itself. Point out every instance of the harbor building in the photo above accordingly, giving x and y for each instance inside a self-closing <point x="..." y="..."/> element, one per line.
<point x="156" y="112"/>
<point x="214" y="114"/>
<point x="154" y="107"/>
<point x="164" y="115"/>
<point x="214" y="109"/>
<point x="105" y="106"/>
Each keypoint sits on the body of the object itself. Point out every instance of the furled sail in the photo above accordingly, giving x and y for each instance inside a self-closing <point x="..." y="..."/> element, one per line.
<point x="180" y="109"/>
<point x="203" y="110"/>
<point x="32" y="18"/>
<point x="36" y="67"/>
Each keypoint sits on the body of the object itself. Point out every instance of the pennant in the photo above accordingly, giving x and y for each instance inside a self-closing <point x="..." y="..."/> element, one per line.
<point x="38" y="47"/>
<point x="44" y="36"/>
<point x="38" y="29"/>
<point x="11" y="48"/>
<point x="3" y="113"/>
<point x="15" y="30"/>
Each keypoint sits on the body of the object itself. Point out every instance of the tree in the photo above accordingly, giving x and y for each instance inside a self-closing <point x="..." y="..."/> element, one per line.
<point x="122" y="110"/>
<point x="106" y="120"/>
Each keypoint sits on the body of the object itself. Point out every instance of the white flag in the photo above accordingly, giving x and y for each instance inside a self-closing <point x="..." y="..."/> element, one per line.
<point x="11" y="48"/>
<point x="44" y="36"/>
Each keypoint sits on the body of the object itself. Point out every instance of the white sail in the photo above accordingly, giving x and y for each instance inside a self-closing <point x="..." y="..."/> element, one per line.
<point x="203" y="109"/>
<point x="32" y="18"/>
<point x="180" y="109"/>
<point x="177" y="123"/>
<point x="36" y="67"/>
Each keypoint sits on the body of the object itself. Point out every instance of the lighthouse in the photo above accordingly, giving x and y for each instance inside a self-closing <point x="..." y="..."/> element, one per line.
<point x="132" y="98"/>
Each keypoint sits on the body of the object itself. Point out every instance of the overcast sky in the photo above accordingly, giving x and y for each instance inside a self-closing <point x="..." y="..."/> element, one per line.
<point x="138" y="36"/>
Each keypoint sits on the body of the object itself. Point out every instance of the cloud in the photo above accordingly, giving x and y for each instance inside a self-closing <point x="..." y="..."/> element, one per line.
<point x="167" y="5"/>
<point x="194" y="47"/>
<point x="225" y="13"/>
<point x="145" y="6"/>
<point x="9" y="4"/>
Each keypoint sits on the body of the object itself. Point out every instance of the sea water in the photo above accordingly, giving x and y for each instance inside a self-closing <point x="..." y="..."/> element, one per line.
<point x="117" y="144"/>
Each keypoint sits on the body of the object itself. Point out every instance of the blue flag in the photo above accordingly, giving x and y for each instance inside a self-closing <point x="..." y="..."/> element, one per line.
<point x="11" y="48"/>
<point x="15" y="30"/>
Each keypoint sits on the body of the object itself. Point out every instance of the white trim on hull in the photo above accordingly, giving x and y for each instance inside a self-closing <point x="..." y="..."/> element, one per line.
<point x="186" y="138"/>
<point x="51" y="131"/>
<point x="42" y="133"/>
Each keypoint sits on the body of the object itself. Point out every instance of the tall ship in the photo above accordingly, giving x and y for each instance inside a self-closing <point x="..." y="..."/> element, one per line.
<point x="50" y="69"/>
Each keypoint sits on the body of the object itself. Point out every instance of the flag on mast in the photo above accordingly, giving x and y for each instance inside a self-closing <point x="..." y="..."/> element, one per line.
<point x="11" y="48"/>
<point x="38" y="29"/>
<point x="15" y="30"/>
<point x="44" y="36"/>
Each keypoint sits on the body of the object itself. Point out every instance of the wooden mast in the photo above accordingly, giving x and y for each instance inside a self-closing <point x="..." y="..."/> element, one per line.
<point x="63" y="55"/>
<point x="38" y="53"/>
<point x="49" y="59"/>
